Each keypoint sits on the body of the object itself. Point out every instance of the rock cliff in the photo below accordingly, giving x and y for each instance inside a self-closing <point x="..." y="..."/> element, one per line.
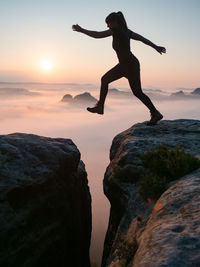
<point x="45" y="211"/>
<point x="144" y="233"/>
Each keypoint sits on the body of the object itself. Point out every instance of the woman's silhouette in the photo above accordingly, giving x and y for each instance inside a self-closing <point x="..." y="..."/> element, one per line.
<point x="128" y="65"/>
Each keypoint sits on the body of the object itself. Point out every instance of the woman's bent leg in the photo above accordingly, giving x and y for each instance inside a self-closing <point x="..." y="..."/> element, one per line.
<point x="113" y="74"/>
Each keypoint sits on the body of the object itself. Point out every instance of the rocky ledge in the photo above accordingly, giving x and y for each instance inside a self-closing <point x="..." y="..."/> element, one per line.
<point x="45" y="211"/>
<point x="162" y="232"/>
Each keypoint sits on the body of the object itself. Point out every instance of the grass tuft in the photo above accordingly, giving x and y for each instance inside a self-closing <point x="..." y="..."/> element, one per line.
<point x="164" y="165"/>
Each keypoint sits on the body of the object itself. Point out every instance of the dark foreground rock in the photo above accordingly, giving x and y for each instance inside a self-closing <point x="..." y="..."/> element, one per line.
<point x="159" y="233"/>
<point x="45" y="211"/>
<point x="172" y="234"/>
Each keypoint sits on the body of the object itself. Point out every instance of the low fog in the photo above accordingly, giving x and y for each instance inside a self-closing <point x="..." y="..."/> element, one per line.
<point x="38" y="109"/>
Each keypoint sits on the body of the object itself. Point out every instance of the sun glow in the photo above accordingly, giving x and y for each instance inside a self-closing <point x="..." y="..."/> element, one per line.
<point x="46" y="65"/>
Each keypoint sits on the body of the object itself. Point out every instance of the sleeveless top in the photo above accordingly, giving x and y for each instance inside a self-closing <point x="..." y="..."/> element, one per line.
<point x="121" y="43"/>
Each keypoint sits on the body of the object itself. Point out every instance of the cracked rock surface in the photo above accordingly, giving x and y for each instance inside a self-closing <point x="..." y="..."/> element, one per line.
<point x="45" y="211"/>
<point x="155" y="234"/>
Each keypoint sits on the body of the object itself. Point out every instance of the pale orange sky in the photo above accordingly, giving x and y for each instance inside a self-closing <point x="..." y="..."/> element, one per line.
<point x="35" y="31"/>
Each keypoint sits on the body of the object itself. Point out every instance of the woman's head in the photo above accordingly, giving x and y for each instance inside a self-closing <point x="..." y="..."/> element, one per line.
<point x="116" y="19"/>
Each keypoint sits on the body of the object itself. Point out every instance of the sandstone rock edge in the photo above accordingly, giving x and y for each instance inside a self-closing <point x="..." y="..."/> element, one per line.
<point x="162" y="233"/>
<point x="45" y="211"/>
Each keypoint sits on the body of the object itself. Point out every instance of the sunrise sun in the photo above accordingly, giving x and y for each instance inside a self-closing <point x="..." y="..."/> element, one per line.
<point x="46" y="65"/>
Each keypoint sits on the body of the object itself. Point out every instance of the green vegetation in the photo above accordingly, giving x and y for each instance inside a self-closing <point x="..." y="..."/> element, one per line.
<point x="127" y="174"/>
<point x="159" y="166"/>
<point x="164" y="165"/>
<point x="152" y="186"/>
<point x="170" y="162"/>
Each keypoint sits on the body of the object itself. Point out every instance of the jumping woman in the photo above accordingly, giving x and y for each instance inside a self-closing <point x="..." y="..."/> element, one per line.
<point x="128" y="65"/>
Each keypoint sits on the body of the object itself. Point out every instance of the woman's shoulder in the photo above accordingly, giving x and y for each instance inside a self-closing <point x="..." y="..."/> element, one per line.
<point x="121" y="31"/>
<point x="130" y="31"/>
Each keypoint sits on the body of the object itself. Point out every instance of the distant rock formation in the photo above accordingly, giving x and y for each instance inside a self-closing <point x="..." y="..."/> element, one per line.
<point x="45" y="211"/>
<point x="118" y="93"/>
<point x="153" y="90"/>
<point x="14" y="92"/>
<point x="84" y="98"/>
<point x="67" y="98"/>
<point x="154" y="234"/>
<point x="155" y="94"/>
<point x="179" y="94"/>
<point x="196" y="91"/>
<point x="81" y="99"/>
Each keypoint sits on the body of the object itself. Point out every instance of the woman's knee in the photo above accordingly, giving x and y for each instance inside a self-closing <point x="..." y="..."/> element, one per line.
<point x="104" y="80"/>
<point x="138" y="93"/>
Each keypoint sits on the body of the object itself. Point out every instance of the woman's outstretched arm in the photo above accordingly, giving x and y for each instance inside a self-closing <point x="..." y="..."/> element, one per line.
<point x="139" y="37"/>
<point x="93" y="34"/>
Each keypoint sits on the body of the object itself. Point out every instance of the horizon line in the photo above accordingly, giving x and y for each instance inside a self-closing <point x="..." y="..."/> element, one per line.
<point x="69" y="83"/>
<point x="90" y="84"/>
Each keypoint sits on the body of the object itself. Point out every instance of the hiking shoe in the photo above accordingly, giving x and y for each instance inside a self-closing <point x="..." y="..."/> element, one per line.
<point x="98" y="108"/>
<point x="155" y="117"/>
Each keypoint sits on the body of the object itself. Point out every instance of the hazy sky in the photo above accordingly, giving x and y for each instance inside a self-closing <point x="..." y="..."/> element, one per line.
<point x="38" y="44"/>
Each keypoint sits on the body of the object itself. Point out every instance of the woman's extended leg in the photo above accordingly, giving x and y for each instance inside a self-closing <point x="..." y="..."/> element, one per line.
<point x="135" y="84"/>
<point x="113" y="74"/>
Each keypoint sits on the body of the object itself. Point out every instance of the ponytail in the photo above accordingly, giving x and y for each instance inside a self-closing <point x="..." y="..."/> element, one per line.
<point x="119" y="17"/>
<point x="122" y="20"/>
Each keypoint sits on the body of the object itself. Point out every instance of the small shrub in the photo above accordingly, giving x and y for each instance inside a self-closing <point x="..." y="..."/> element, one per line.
<point x="171" y="163"/>
<point x="152" y="186"/>
<point x="164" y="165"/>
<point x="127" y="174"/>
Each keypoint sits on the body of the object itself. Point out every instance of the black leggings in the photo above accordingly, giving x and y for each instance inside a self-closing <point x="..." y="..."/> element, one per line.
<point x="130" y="68"/>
